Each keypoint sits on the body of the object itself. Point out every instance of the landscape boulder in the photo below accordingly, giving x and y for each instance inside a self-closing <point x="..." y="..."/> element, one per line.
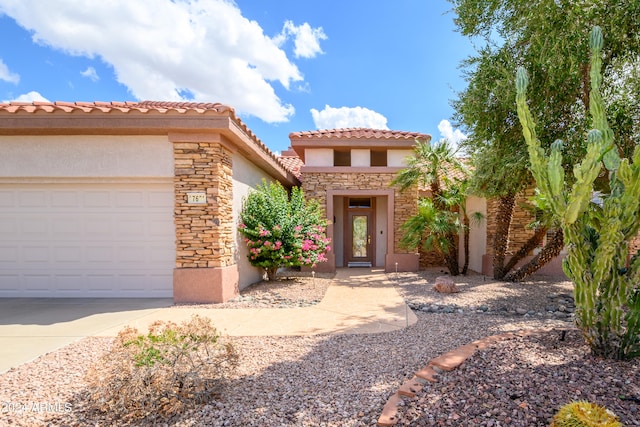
<point x="445" y="285"/>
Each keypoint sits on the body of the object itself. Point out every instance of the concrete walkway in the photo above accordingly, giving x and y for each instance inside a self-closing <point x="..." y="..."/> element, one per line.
<point x="358" y="301"/>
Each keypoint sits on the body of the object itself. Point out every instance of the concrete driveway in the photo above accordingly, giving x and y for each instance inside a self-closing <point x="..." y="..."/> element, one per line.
<point x="31" y="327"/>
<point x="359" y="301"/>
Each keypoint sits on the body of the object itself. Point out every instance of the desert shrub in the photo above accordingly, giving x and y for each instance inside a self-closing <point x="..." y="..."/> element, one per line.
<point x="155" y="376"/>
<point x="282" y="229"/>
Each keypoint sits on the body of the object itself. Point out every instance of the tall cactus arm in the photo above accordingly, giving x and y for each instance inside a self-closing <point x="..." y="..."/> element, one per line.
<point x="555" y="171"/>
<point x="610" y="157"/>
<point x="629" y="174"/>
<point x="586" y="173"/>
<point x="537" y="157"/>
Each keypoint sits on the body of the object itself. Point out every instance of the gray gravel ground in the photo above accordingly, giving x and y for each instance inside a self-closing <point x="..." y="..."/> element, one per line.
<point x="344" y="380"/>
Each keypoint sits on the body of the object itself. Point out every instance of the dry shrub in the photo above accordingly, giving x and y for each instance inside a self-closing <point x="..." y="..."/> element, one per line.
<point x="170" y="369"/>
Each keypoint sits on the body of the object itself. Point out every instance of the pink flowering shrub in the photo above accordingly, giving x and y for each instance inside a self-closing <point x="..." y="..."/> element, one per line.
<point x="282" y="230"/>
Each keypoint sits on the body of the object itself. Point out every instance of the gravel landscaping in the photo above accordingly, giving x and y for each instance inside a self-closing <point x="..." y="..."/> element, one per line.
<point x="345" y="380"/>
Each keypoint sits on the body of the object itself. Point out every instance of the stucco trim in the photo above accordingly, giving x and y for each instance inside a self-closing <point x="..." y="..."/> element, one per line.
<point x="349" y="169"/>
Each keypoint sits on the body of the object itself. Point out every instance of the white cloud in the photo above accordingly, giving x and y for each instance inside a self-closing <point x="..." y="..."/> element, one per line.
<point x="7" y="75"/>
<point x="455" y="137"/>
<point x="306" y="40"/>
<point x="348" y="117"/>
<point x="91" y="73"/>
<point x="160" y="48"/>
<point x="29" y="97"/>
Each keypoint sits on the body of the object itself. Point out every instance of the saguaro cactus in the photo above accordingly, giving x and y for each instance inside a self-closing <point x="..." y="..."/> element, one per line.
<point x="597" y="232"/>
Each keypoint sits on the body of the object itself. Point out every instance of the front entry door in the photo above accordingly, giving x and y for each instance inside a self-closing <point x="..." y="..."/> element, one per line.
<point x="358" y="243"/>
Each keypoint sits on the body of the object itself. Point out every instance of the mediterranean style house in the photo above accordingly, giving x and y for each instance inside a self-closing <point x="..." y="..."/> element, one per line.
<point x="142" y="199"/>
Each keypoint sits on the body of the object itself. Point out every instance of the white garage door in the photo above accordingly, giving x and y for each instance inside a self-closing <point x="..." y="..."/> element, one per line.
<point x="87" y="240"/>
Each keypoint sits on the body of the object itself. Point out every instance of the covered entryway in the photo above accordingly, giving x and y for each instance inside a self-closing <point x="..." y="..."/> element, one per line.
<point x="87" y="239"/>
<point x="359" y="247"/>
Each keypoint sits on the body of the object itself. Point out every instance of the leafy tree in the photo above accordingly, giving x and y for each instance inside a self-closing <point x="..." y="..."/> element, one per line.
<point x="282" y="231"/>
<point x="607" y="291"/>
<point x="548" y="36"/>
<point x="437" y="223"/>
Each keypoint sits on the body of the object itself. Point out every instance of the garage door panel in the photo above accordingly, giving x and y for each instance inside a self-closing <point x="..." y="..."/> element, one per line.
<point x="68" y="254"/>
<point x="8" y="225"/>
<point x="32" y="199"/>
<point x="133" y="229"/>
<point x="65" y="199"/>
<point x="131" y="199"/>
<point x="36" y="255"/>
<point x="74" y="240"/>
<point x="131" y="254"/>
<point x="34" y="227"/>
<point x="98" y="227"/>
<point x="67" y="283"/>
<point x="161" y="255"/>
<point x="97" y="199"/>
<point x="7" y="199"/>
<point x="158" y="199"/>
<point x="37" y="282"/>
<point x="8" y="255"/>
<point x="65" y="227"/>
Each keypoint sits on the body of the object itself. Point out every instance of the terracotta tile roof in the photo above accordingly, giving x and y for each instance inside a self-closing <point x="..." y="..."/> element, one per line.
<point x="142" y="107"/>
<point x="292" y="162"/>
<point x="359" y="133"/>
<point x="106" y="107"/>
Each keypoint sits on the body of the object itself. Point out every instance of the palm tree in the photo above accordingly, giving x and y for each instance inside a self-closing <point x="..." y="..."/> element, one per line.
<point x="435" y="229"/>
<point x="437" y="223"/>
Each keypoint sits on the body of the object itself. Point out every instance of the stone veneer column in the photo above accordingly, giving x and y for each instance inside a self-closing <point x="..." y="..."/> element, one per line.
<point x="205" y="269"/>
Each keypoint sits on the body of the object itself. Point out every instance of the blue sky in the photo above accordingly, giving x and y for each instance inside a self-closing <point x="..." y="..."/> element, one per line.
<point x="284" y="65"/>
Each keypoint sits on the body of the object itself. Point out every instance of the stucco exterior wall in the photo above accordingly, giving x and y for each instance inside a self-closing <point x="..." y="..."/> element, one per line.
<point x="71" y="156"/>
<point x="245" y="178"/>
<point x="398" y="158"/>
<point x="477" y="233"/>
<point x="381" y="229"/>
<point x="360" y="157"/>
<point x="318" y="157"/>
<point x="338" y="230"/>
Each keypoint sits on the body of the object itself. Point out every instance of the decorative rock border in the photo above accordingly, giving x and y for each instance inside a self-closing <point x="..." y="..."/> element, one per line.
<point x="443" y="363"/>
<point x="559" y="306"/>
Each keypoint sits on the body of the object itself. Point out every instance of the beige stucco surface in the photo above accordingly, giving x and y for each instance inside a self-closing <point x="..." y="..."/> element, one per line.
<point x="360" y="157"/>
<point x="398" y="158"/>
<point x="381" y="229"/>
<point x="245" y="178"/>
<point x="477" y="233"/>
<point x="86" y="156"/>
<point x="318" y="157"/>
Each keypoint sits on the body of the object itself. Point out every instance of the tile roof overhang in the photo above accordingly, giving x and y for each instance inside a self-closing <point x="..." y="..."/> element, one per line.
<point x="354" y="138"/>
<point x="180" y="121"/>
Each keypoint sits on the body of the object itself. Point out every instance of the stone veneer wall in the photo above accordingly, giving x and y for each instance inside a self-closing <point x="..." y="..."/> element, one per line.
<point x="518" y="232"/>
<point x="204" y="232"/>
<point x="430" y="259"/>
<point x="316" y="184"/>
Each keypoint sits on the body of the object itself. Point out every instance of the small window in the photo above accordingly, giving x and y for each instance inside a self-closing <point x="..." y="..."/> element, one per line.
<point x="341" y="157"/>
<point x="360" y="202"/>
<point x="378" y="158"/>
